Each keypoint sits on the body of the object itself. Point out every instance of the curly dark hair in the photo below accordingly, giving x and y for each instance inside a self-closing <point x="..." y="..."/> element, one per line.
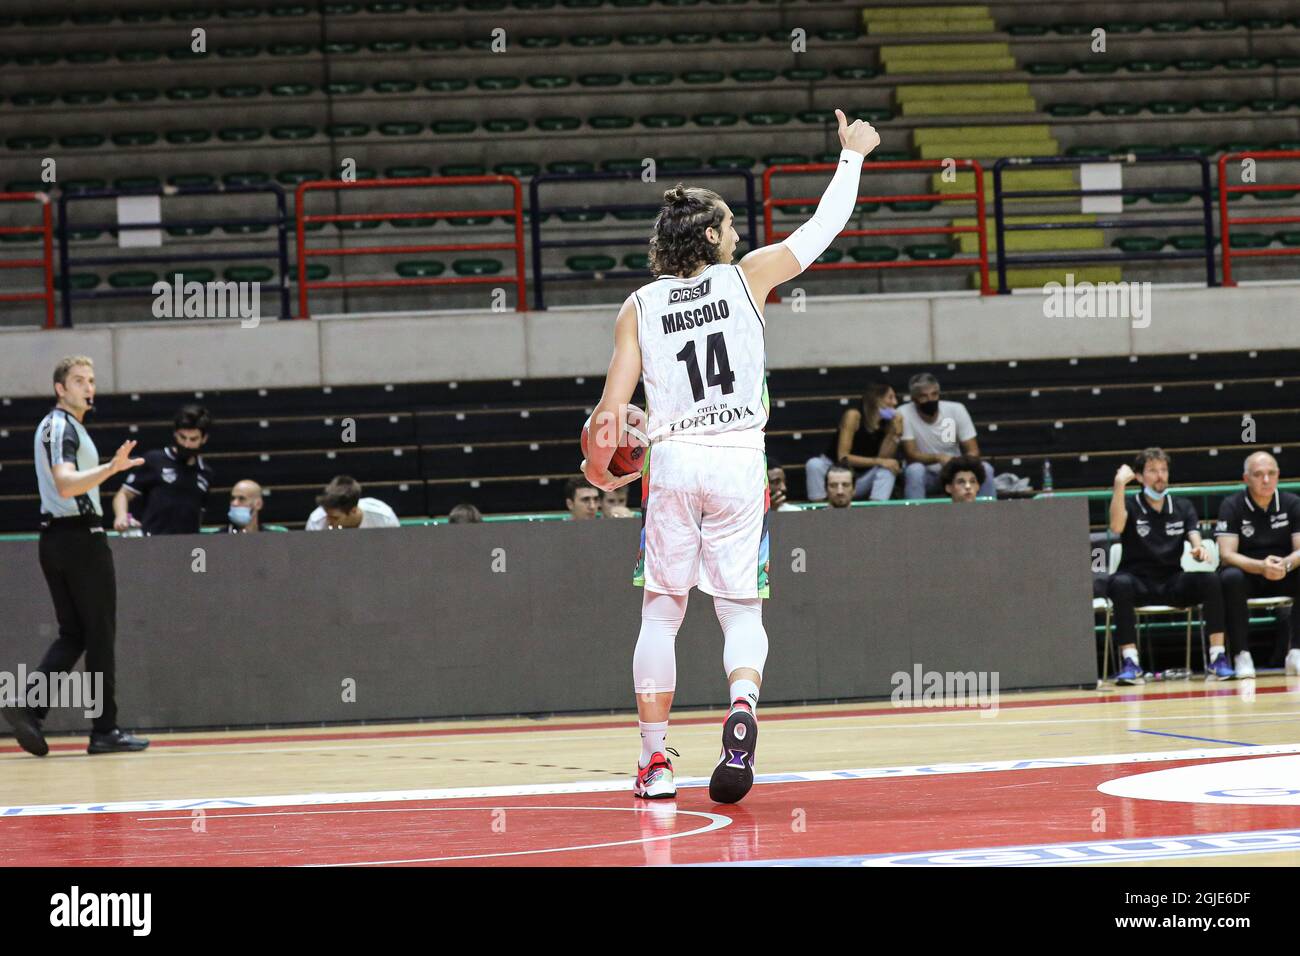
<point x="678" y="245"/>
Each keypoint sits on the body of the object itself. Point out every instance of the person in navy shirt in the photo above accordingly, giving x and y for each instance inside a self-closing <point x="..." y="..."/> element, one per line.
<point x="1153" y="526"/>
<point x="1259" y="553"/>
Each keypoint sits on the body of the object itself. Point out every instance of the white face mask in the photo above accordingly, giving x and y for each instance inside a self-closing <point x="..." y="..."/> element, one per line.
<point x="1153" y="494"/>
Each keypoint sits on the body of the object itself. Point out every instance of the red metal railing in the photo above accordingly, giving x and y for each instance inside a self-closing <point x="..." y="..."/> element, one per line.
<point x="519" y="279"/>
<point x="46" y="262"/>
<point x="770" y="235"/>
<point x="1226" y="222"/>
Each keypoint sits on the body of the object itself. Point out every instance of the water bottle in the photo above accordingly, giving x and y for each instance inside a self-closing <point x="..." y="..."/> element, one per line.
<point x="1047" y="477"/>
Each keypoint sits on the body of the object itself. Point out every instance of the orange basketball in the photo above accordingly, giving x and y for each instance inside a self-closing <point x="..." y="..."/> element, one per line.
<point x="630" y="453"/>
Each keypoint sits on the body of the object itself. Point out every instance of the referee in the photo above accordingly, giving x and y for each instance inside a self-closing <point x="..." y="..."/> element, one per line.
<point x="75" y="557"/>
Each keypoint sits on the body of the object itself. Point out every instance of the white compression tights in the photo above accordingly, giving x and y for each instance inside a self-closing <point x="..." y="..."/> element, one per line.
<point x="654" y="663"/>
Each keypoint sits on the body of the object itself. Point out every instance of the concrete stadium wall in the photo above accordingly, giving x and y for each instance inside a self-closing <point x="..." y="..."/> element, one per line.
<point x="426" y="627"/>
<point x="153" y="357"/>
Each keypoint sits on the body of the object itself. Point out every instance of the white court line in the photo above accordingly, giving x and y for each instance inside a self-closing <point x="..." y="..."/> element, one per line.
<point x="716" y="822"/>
<point x="613" y="786"/>
<point x="205" y="750"/>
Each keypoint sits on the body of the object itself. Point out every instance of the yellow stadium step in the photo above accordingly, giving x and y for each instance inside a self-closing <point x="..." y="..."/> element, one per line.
<point x="925" y="67"/>
<point x="926" y="25"/>
<point x="1039" y="240"/>
<point x="969" y="107"/>
<point x="961" y="91"/>
<point x="989" y="151"/>
<point x="1036" y="278"/>
<point x="1012" y="179"/>
<point x="943" y="51"/>
<point x="958" y="134"/>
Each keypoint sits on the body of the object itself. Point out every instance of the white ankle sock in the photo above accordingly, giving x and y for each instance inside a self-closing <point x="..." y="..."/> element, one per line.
<point x="1131" y="654"/>
<point x="747" y="691"/>
<point x="652" y="740"/>
<point x="1216" y="651"/>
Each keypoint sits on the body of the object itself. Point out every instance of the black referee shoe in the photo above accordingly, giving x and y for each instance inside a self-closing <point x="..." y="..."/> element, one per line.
<point x="116" y="741"/>
<point x="27" y="729"/>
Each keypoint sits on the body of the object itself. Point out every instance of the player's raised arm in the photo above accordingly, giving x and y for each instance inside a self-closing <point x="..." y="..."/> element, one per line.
<point x="768" y="267"/>
<point x="620" y="382"/>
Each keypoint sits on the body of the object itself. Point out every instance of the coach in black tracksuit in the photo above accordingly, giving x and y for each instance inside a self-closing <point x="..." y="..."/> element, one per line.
<point x="1259" y="552"/>
<point x="75" y="557"/>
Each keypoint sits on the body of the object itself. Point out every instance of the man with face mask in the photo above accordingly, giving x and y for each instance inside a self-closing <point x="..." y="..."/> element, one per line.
<point x="174" y="481"/>
<point x="245" y="513"/>
<point x="1152" y="526"/>
<point x="935" y="432"/>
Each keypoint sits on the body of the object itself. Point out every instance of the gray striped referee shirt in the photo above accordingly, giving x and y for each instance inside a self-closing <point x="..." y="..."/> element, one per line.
<point x="60" y="438"/>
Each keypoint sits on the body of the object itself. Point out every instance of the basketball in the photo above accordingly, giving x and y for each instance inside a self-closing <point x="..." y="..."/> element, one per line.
<point x="630" y="453"/>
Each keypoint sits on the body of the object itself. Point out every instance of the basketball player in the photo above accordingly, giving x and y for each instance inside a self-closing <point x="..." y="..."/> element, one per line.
<point x="696" y="336"/>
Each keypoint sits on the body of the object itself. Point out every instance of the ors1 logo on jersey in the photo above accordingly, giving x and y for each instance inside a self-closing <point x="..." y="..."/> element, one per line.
<point x="695" y="292"/>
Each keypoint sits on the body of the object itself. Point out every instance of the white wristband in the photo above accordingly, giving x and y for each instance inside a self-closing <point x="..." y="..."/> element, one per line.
<point x="838" y="202"/>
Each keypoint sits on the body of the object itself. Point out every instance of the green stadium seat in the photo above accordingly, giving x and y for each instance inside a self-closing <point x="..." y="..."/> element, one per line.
<point x="816" y="117"/>
<point x="590" y="40"/>
<point x="1262" y="23"/>
<point x="1138" y="243"/>
<point x="36" y="59"/>
<point x="81" y="185"/>
<point x="1170" y="26"/>
<point x="509" y="124"/>
<point x="387" y="7"/>
<point x="249" y="229"/>
<point x="767" y="118"/>
<point x="188" y="94"/>
<point x="651" y="78"/>
<point x="663" y="120"/>
<point x="497" y="83"/>
<point x="1170" y="198"/>
<point x="1250" y="240"/>
<point x="240" y="134"/>
<point x="856" y="72"/>
<point x="340" y="88"/>
<point x="421" y="269"/>
<point x="82" y="281"/>
<point x="591" y="263"/>
<point x="733" y="161"/>
<point x="1217" y="25"/>
<point x="192" y="179"/>
<point x="740" y="36"/>
<point x="836" y="35"/>
<point x="1096" y="67"/>
<point x="408" y="172"/>
<point x="640" y="39"/>
<point x="636" y="260"/>
<point x="389" y="46"/>
<point x="1169" y="107"/>
<point x="1197" y="149"/>
<point x="248" y="274"/>
<point x="600" y="79"/>
<point x="829" y="256"/>
<point x="715" y="119"/>
<point x="570" y="166"/>
<point x="400" y="129"/>
<point x="784" y="159"/>
<point x="1288" y="238"/>
<point x="1194" y="242"/>
<point x="804" y="74"/>
<point x="1287" y="62"/>
<point x="550" y="81"/>
<point x="462" y="169"/>
<point x="703" y="76"/>
<point x="242" y="52"/>
<point x="316" y="272"/>
<point x="240" y="91"/>
<point x="582" y="215"/>
<point x="357" y="225"/>
<point x="138" y="56"/>
<point x="1219" y="106"/>
<point x="289" y="10"/>
<point x="635" y="215"/>
<point x="446" y="85"/>
<point x="289" y="49"/>
<point x="340" y="9"/>
<point x="1073" y="29"/>
<point x="292" y="133"/>
<point x="246" y="178"/>
<point x="1027" y="30"/>
<point x="929" y="250"/>
<point x="82" y="141"/>
<point x="133" y="279"/>
<point x="1280" y="195"/>
<point x="87" y="57"/>
<point x="33" y="99"/>
<point x="291" y="89"/>
<point x="1143" y="149"/>
<point x="913" y="205"/>
<point x="1243" y="63"/>
<point x="140" y="16"/>
<point x="394" y="86"/>
<point x="199" y="14"/>
<point x="450" y="127"/>
<point x="135" y="96"/>
<point x="1146" y="66"/>
<point x="476" y="267"/>
<point x="1066" y="110"/>
<point x="1119" y="109"/>
<point x="539" y="42"/>
<point x="1042" y="68"/>
<point x="517" y="169"/>
<point x="610" y="122"/>
<point x="1123" y="26"/>
<point x="1194" y="65"/>
<point x="135" y="138"/>
<point x="754" y="76"/>
<point x="347" y="130"/>
<point x="1268" y="106"/>
<point x="185" y="137"/>
<point x="192" y="274"/>
<point x="678" y="164"/>
<point x="84" y="97"/>
<point x="558" y="124"/>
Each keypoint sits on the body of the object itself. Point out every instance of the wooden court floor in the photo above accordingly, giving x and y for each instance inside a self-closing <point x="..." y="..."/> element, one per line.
<point x="1179" y="773"/>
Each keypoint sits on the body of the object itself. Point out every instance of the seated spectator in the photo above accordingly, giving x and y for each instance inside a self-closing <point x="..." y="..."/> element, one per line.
<point x="173" y="481"/>
<point x="1152" y="526"/>
<point x="839" y="486"/>
<point x="341" y="506"/>
<point x="581" y="497"/>
<point x="933" y="432"/>
<point x="464" y="514"/>
<point x="776" y="486"/>
<point x="867" y="439"/>
<point x="1259" y="554"/>
<point x="960" y="478"/>
<point x="245" y="513"/>
<point x="613" y="504"/>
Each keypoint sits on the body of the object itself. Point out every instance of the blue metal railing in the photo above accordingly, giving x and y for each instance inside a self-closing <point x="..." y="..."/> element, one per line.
<point x="67" y="262"/>
<point x="747" y="208"/>
<point x="1001" y="227"/>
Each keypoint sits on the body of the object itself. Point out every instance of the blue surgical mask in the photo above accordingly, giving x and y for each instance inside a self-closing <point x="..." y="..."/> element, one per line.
<point x="886" y="413"/>
<point x="240" y="515"/>
<point x="1153" y="494"/>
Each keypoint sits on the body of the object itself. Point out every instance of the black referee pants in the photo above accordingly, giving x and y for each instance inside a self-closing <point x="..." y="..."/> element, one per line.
<point x="1239" y="586"/>
<point x="1184" y="589"/>
<point x="78" y="567"/>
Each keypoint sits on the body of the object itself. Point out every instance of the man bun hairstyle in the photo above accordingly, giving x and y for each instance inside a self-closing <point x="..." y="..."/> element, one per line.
<point x="678" y="245"/>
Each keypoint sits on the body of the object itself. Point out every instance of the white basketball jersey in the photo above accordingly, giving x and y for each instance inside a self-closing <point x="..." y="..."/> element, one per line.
<point x="703" y="359"/>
